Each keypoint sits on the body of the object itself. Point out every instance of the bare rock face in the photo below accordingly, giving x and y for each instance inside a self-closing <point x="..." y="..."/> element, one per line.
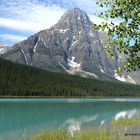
<point x="70" y="45"/>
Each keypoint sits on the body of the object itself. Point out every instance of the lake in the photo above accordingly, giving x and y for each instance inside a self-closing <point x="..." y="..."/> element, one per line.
<point x="19" y="117"/>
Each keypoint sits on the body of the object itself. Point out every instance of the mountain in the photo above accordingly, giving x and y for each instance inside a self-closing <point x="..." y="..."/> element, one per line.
<point x="70" y="46"/>
<point x="23" y="80"/>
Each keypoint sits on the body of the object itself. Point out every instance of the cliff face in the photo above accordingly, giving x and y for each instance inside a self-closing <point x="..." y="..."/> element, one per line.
<point x="70" y="45"/>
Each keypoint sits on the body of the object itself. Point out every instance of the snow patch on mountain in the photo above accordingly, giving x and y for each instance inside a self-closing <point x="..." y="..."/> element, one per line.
<point x="102" y="70"/>
<point x="36" y="45"/>
<point x="73" y="64"/>
<point x="91" y="34"/>
<point x="61" y="30"/>
<point x="87" y="74"/>
<point x="131" y="80"/>
<point x="73" y="43"/>
<point x="125" y="78"/>
<point x="43" y="42"/>
<point x="22" y="51"/>
<point x="120" y="78"/>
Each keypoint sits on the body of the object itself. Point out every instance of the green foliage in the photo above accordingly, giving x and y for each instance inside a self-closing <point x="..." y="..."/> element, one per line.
<point x="23" y="80"/>
<point x="50" y="135"/>
<point x="117" y="131"/>
<point x="126" y="122"/>
<point x="124" y="37"/>
<point x="86" y="134"/>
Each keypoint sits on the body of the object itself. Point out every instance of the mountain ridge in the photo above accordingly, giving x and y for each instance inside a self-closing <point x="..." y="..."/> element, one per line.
<point x="69" y="46"/>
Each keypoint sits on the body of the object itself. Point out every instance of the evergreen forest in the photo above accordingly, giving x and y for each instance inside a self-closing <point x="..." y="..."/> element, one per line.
<point x="21" y="80"/>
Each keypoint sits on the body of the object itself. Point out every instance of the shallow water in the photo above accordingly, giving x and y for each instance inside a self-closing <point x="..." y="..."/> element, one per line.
<point x="18" y="117"/>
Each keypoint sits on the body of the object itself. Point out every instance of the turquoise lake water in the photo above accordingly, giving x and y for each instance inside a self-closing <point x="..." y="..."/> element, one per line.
<point x="19" y="117"/>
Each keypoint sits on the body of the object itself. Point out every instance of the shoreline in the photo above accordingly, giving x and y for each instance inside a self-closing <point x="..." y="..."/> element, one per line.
<point x="70" y="97"/>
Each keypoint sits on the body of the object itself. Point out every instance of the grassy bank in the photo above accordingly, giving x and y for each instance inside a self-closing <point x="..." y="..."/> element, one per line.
<point x="102" y="134"/>
<point x="117" y="132"/>
<point x="126" y="122"/>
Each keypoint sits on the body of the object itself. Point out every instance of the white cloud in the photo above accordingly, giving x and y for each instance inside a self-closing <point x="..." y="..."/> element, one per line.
<point x="95" y="19"/>
<point x="12" y="38"/>
<point x="20" y="25"/>
<point x="26" y="18"/>
<point x="33" y="17"/>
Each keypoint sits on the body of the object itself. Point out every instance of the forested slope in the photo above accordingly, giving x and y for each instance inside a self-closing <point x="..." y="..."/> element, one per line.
<point x="21" y="80"/>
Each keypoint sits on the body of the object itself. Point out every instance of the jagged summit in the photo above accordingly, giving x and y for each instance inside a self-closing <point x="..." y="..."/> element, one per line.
<point x="75" y="14"/>
<point x="74" y="20"/>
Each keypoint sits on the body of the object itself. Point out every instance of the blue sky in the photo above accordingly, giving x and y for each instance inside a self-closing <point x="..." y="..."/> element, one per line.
<point x="22" y="18"/>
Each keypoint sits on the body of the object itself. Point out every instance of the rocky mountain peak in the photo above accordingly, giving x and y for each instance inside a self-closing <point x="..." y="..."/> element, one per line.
<point x="74" y="19"/>
<point x="70" y="46"/>
<point x="75" y="14"/>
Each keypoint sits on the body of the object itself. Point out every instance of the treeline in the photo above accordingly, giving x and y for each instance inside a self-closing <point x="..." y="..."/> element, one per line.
<point x="21" y="80"/>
